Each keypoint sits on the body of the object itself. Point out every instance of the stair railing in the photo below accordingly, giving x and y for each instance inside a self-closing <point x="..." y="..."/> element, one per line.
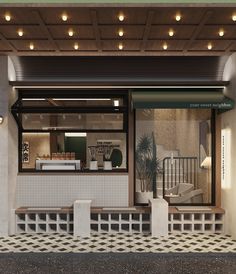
<point x="179" y="170"/>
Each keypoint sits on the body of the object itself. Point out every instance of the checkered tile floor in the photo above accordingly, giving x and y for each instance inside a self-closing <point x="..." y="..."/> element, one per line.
<point x="118" y="243"/>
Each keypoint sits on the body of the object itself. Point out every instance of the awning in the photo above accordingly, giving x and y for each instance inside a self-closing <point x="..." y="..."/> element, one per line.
<point x="182" y="98"/>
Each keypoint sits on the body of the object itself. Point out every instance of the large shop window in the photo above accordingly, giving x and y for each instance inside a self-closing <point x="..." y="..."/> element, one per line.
<point x="174" y="155"/>
<point x="65" y="131"/>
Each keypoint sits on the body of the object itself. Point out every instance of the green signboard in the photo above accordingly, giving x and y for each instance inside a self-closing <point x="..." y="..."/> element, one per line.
<point x="176" y="98"/>
<point x="117" y="2"/>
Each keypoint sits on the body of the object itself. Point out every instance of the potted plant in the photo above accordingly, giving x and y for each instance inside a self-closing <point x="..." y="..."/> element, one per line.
<point x="93" y="165"/>
<point x="147" y="168"/>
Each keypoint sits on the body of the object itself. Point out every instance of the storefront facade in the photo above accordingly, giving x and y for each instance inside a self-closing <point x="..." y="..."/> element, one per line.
<point x="119" y="131"/>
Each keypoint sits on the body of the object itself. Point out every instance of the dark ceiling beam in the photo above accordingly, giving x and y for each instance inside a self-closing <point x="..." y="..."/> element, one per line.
<point x="5" y="41"/>
<point x="96" y="30"/>
<point x="147" y="29"/>
<point x="114" y="25"/>
<point x="230" y="47"/>
<point x="198" y="29"/>
<point x="114" y="53"/>
<point x="74" y="84"/>
<point x="45" y="29"/>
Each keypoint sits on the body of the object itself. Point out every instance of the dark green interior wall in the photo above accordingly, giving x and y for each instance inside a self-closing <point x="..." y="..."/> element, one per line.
<point x="77" y="145"/>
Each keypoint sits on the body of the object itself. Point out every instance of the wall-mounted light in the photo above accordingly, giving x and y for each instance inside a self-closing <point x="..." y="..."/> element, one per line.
<point x="1" y="119"/>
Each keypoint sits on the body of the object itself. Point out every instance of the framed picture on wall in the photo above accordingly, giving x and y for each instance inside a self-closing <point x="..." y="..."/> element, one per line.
<point x="25" y="152"/>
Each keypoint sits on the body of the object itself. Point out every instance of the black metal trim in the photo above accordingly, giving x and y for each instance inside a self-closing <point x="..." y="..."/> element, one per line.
<point x="17" y="108"/>
<point x="213" y="170"/>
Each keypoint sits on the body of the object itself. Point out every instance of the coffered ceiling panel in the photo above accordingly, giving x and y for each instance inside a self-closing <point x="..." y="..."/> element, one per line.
<point x="221" y="16"/>
<point x="158" y="46"/>
<point x="4" y="47"/>
<point x="216" y="45"/>
<point x="179" y="32"/>
<point x="130" y="32"/>
<point x="75" y="15"/>
<point x="128" y="45"/>
<point x="39" y="45"/>
<point x="191" y="16"/>
<point x="18" y="16"/>
<point x="134" y="16"/>
<point x="84" y="45"/>
<point x="212" y="32"/>
<point x="117" y="31"/>
<point x="79" y="32"/>
<point x="29" y="32"/>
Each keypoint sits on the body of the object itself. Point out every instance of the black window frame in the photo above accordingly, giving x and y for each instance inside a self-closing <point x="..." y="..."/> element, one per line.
<point x="213" y="169"/>
<point x="18" y="109"/>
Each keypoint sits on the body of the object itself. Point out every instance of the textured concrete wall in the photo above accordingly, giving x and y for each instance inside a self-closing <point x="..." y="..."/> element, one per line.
<point x="8" y="152"/>
<point x="229" y="123"/>
<point x="4" y="147"/>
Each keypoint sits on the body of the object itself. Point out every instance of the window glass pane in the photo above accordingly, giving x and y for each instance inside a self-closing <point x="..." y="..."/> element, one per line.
<point x="60" y="151"/>
<point x="69" y="121"/>
<point x="177" y="142"/>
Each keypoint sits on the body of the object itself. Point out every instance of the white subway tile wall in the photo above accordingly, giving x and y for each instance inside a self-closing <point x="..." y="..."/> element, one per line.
<point x="59" y="191"/>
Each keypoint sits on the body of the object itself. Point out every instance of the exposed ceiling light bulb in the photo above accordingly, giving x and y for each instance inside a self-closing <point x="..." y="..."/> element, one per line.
<point x="116" y="103"/>
<point x="165" y="46"/>
<point x="20" y="32"/>
<point x="121" y="32"/>
<point x="76" y="46"/>
<point x="31" y="46"/>
<point x="64" y="17"/>
<point x="121" y="17"/>
<point x="209" y="46"/>
<point x="221" y="32"/>
<point x="70" y="32"/>
<point x="7" y="17"/>
<point x="234" y="17"/>
<point x="171" y="32"/>
<point x="178" y="17"/>
<point x="120" y="46"/>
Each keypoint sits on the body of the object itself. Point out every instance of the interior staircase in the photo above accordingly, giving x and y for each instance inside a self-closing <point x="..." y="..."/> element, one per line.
<point x="175" y="169"/>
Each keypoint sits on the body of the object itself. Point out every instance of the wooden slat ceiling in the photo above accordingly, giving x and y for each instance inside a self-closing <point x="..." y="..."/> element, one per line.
<point x="96" y="31"/>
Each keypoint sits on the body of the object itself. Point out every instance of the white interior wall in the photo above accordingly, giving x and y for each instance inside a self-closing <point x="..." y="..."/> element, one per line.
<point x="229" y="122"/>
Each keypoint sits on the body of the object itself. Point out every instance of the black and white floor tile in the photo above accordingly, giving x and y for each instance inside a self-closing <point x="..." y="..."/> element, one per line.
<point x="118" y="243"/>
